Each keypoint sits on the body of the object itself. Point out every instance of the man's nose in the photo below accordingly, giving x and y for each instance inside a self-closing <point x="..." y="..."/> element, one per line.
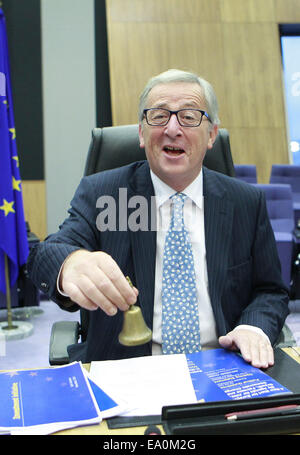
<point x="173" y="127"/>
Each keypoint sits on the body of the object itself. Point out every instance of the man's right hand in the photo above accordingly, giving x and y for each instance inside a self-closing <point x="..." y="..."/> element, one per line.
<point x="94" y="280"/>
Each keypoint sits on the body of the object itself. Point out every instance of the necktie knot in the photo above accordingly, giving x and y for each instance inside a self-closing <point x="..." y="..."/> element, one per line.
<point x="178" y="199"/>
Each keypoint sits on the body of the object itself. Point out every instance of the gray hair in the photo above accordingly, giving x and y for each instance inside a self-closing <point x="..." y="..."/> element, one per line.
<point x="174" y="75"/>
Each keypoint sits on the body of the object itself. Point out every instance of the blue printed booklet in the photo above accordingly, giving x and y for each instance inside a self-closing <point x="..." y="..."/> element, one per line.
<point x="219" y="375"/>
<point x="46" y="400"/>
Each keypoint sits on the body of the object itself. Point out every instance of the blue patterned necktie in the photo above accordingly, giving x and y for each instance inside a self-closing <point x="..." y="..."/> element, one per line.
<point x="180" y="316"/>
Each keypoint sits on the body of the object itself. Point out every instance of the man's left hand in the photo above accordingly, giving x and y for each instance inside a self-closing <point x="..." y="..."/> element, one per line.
<point x="254" y="347"/>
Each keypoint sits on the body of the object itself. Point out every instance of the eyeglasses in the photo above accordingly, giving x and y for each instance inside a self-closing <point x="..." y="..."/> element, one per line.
<point x="185" y="117"/>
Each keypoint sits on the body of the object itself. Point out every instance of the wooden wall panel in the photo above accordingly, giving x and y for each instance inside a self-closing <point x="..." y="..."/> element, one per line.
<point x="34" y="197"/>
<point x="166" y="11"/>
<point x="254" y="95"/>
<point x="287" y="11"/>
<point x="233" y="43"/>
<point x="149" y="48"/>
<point x="247" y="11"/>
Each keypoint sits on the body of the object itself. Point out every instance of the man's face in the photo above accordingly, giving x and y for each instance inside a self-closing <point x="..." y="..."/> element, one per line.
<point x="175" y="153"/>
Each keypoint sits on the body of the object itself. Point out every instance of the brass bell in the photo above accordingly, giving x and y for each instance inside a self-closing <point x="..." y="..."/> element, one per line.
<point x="135" y="331"/>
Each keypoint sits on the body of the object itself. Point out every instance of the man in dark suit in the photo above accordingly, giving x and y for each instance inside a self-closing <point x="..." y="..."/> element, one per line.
<point x="242" y="301"/>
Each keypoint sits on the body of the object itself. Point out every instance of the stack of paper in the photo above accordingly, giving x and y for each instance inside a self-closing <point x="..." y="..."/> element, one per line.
<point x="44" y="401"/>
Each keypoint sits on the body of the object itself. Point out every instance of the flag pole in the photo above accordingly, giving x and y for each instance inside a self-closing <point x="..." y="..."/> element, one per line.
<point x="10" y="325"/>
<point x="17" y="330"/>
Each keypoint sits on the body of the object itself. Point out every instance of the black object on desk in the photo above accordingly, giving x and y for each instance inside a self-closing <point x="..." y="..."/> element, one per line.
<point x="285" y="370"/>
<point x="210" y="418"/>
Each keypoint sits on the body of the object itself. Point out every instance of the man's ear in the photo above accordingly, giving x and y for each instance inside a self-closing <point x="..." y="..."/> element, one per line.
<point x="141" y="136"/>
<point x="212" y="136"/>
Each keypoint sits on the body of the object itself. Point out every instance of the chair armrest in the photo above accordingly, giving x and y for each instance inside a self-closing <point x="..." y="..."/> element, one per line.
<point x="286" y="338"/>
<point x="63" y="333"/>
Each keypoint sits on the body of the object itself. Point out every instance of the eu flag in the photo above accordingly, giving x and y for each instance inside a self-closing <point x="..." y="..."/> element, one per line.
<point x="13" y="236"/>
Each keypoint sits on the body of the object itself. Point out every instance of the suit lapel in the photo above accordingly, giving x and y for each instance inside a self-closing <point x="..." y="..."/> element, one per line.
<point x="143" y="242"/>
<point x="218" y="216"/>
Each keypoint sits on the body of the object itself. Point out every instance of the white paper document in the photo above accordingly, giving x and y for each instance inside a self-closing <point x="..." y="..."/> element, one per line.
<point x="146" y="383"/>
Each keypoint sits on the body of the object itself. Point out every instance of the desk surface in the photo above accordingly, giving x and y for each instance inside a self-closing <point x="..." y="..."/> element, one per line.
<point x="102" y="428"/>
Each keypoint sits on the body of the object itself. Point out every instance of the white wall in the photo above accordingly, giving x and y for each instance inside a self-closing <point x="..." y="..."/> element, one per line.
<point x="68" y="72"/>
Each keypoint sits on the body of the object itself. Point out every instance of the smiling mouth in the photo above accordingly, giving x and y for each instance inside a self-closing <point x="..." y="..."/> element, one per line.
<point x="174" y="151"/>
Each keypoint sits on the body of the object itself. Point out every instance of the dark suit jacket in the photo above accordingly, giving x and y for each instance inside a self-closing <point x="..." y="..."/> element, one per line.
<point x="245" y="284"/>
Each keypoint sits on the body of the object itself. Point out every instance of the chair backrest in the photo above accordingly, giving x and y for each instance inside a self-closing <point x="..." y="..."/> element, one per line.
<point x="116" y="146"/>
<point x="279" y="205"/>
<point x="246" y="172"/>
<point x="286" y="174"/>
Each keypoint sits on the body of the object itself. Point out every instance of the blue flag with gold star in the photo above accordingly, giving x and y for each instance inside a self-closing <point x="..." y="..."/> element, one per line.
<point x="13" y="235"/>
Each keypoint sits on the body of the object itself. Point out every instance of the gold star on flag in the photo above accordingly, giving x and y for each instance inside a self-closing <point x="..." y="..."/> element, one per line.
<point x="16" y="184"/>
<point x="12" y="373"/>
<point x="13" y="132"/>
<point x="7" y="207"/>
<point x="16" y="158"/>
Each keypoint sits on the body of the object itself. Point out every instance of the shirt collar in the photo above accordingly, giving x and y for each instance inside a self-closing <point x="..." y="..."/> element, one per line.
<point x="163" y="191"/>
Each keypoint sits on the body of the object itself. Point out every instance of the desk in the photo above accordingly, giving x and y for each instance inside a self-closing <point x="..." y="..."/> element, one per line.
<point x="102" y="429"/>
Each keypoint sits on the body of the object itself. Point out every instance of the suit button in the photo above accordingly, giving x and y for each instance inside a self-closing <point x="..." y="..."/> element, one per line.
<point x="44" y="287"/>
